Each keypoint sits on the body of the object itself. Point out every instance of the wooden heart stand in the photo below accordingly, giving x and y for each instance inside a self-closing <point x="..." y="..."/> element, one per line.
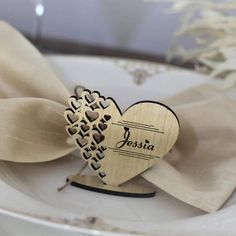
<point x="117" y="146"/>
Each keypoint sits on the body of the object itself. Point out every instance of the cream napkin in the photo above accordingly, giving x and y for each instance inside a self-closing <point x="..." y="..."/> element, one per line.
<point x="200" y="170"/>
<point x="32" y="102"/>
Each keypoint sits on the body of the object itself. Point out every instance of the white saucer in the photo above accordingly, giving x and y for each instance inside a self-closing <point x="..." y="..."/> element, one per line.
<point x="29" y="194"/>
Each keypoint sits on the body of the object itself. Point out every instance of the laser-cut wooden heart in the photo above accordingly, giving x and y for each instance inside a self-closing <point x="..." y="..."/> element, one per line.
<point x="120" y="146"/>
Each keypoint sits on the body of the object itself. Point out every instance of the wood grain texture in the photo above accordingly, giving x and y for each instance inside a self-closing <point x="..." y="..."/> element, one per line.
<point x="120" y="146"/>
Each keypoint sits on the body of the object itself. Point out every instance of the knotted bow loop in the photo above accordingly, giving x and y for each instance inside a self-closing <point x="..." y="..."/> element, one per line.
<point x="32" y="102"/>
<point x="32" y="130"/>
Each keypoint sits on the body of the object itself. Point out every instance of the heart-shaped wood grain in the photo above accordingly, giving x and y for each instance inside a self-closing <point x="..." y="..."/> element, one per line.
<point x="119" y="145"/>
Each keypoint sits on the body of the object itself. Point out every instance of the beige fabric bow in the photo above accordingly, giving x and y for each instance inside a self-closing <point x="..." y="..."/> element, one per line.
<point x="200" y="170"/>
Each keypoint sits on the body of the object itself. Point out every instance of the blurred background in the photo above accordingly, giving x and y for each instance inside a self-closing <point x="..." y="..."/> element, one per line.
<point x="128" y="28"/>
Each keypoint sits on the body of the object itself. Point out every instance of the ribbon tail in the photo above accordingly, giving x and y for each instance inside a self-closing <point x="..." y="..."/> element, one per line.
<point x="23" y="70"/>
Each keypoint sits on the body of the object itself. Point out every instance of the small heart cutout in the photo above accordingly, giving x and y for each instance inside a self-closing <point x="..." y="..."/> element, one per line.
<point x="71" y="117"/>
<point x="104" y="104"/>
<point x="102" y="174"/>
<point x="91" y="115"/>
<point x="90" y="98"/>
<point x="87" y="155"/>
<point x="95" y="165"/>
<point x="107" y="117"/>
<point x="94" y="106"/>
<point x="82" y="142"/>
<point x="85" y="128"/>
<point x="98" y="138"/>
<point x="72" y="130"/>
<point x="102" y="126"/>
<point x="74" y="103"/>
<point x="100" y="155"/>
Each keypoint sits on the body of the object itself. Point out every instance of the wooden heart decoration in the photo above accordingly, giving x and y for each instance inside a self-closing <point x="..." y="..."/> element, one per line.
<point x="119" y="146"/>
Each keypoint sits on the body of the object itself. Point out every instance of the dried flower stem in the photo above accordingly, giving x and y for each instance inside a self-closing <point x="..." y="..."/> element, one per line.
<point x="211" y="25"/>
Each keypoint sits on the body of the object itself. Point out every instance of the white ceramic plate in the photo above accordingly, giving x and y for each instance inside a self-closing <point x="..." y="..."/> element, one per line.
<point x="29" y="198"/>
